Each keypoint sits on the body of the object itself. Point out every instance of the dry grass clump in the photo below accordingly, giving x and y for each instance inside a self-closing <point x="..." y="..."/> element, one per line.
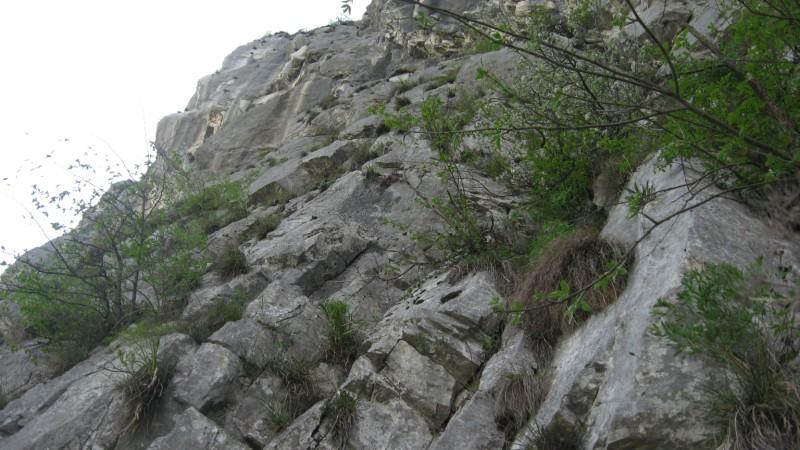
<point x="231" y="262"/>
<point x="297" y="375"/>
<point x="341" y="411"/>
<point x="580" y="259"/>
<point x="3" y="398"/>
<point x="519" y="394"/>
<point x="559" y="435"/>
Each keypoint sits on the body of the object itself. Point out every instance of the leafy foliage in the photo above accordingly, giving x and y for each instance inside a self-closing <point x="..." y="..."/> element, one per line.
<point x="347" y="6"/>
<point x="136" y="254"/>
<point x="124" y="259"/>
<point x="726" y="316"/>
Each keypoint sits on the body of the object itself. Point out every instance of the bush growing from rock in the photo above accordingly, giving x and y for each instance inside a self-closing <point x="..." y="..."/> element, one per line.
<point x="127" y="258"/>
<point x="732" y="318"/>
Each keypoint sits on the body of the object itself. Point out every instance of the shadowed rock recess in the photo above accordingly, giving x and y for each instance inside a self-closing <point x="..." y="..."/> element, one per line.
<point x="291" y="114"/>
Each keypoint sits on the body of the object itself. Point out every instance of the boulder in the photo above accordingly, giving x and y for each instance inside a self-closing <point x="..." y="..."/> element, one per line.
<point x="206" y="377"/>
<point x="251" y="414"/>
<point x="249" y="340"/>
<point x="196" y="431"/>
<point x="421" y="382"/>
<point x="392" y="425"/>
<point x="298" y="324"/>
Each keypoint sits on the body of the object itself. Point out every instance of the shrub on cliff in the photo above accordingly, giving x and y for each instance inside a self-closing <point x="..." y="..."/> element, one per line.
<point x="127" y="258"/>
<point x="580" y="108"/>
<point x="732" y="318"/>
<point x="214" y="206"/>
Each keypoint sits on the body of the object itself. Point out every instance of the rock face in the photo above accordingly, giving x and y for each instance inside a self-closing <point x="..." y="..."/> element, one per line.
<point x="194" y="430"/>
<point x="628" y="387"/>
<point x="291" y="114"/>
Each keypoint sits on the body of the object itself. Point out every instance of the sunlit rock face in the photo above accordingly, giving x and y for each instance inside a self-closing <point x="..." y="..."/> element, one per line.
<point x="291" y="115"/>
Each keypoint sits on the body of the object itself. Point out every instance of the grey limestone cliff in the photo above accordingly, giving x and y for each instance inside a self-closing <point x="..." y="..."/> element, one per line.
<point x="294" y="110"/>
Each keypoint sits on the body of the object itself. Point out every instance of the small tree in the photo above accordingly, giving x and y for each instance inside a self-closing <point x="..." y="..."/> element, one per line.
<point x="125" y="258"/>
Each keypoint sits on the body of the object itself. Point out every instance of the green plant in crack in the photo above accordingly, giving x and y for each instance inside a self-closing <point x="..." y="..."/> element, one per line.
<point x="144" y="378"/>
<point x="278" y="414"/>
<point x="344" y="336"/>
<point x="341" y="410"/>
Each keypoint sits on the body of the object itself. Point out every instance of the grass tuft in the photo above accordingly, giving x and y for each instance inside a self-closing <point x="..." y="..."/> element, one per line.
<point x="341" y="411"/>
<point x="557" y="436"/>
<point x="296" y="374"/>
<point x="3" y="398"/>
<point x="278" y="414"/>
<point x="344" y="337"/>
<point x="265" y="225"/>
<point x="518" y="395"/>
<point x="224" y="311"/>
<point x="145" y="377"/>
<point x="231" y="261"/>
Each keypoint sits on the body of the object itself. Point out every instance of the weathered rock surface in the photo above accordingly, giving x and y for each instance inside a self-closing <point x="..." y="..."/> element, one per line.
<point x="207" y="377"/>
<point x="291" y="114"/>
<point x="629" y="387"/>
<point x="194" y="430"/>
<point x="79" y="409"/>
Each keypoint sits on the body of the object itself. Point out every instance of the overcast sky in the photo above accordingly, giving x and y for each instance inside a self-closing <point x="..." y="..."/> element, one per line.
<point x="99" y="74"/>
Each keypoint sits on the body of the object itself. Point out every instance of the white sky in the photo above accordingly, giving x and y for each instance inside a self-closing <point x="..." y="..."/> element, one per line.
<point x="97" y="73"/>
